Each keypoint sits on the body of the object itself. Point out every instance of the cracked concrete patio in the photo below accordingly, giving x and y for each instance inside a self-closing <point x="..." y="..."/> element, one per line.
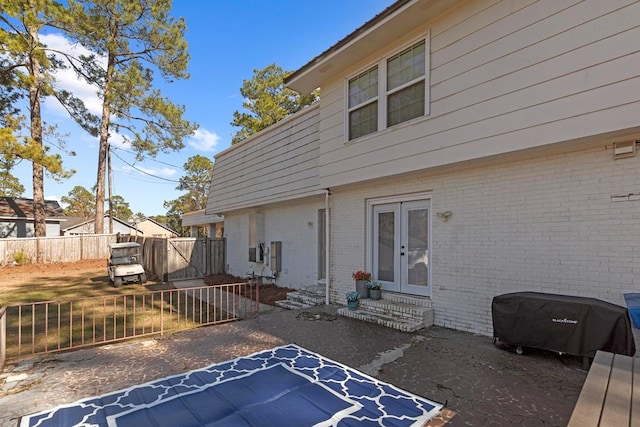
<point x="481" y="383"/>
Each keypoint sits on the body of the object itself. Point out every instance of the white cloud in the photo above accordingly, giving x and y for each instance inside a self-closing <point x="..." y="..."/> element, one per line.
<point x="67" y="79"/>
<point x="117" y="140"/>
<point x="203" y="140"/>
<point x="150" y="171"/>
<point x="166" y="171"/>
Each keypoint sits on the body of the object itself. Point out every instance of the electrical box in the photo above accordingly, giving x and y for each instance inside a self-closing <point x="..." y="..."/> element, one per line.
<point x="256" y="237"/>
<point x="276" y="256"/>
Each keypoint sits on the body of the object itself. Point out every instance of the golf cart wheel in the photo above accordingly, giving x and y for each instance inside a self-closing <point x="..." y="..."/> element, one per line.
<point x="519" y="350"/>
<point x="117" y="282"/>
<point x="143" y="278"/>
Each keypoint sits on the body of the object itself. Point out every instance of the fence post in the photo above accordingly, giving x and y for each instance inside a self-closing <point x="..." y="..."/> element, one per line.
<point x="165" y="259"/>
<point x="3" y="336"/>
<point x="38" y="254"/>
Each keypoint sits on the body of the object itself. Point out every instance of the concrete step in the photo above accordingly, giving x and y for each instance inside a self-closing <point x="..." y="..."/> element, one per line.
<point x="396" y="311"/>
<point x="306" y="297"/>
<point x="291" y="304"/>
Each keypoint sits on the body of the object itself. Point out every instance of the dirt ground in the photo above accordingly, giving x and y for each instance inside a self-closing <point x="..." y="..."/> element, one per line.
<point x="268" y="294"/>
<point x="96" y="271"/>
<point x="19" y="272"/>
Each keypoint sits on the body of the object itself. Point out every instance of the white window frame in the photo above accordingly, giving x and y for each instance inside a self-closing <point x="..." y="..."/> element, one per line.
<point x="372" y="100"/>
<point x="383" y="93"/>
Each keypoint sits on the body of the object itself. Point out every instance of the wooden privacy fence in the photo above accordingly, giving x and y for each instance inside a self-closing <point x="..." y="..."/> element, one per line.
<point x="46" y="327"/>
<point x="167" y="259"/>
<point x="181" y="258"/>
<point x="55" y="249"/>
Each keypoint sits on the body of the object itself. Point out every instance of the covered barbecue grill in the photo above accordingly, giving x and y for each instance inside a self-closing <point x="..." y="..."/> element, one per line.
<point x="567" y="324"/>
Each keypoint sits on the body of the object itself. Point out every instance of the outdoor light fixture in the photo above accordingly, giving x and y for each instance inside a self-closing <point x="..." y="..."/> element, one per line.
<point x="444" y="216"/>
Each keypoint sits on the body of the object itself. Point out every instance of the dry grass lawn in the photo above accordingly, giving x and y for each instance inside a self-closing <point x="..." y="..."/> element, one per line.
<point x="61" y="282"/>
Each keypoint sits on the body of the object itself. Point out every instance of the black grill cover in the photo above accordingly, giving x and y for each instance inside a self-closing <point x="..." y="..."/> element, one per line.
<point x="574" y="325"/>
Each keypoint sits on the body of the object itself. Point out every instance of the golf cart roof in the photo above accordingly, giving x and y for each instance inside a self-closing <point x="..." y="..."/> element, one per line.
<point x="124" y="245"/>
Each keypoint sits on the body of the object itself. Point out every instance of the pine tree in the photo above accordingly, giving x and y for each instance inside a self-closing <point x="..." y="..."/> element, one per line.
<point x="139" y="39"/>
<point x="267" y="101"/>
<point x="28" y="66"/>
<point x="196" y="181"/>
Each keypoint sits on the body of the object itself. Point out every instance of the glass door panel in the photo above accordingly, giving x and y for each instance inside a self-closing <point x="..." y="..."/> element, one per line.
<point x="386" y="246"/>
<point x="415" y="248"/>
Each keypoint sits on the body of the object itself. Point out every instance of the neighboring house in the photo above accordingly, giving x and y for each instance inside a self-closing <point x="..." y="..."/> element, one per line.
<point x="16" y="217"/>
<point x="462" y="150"/>
<point x="214" y="224"/>
<point x="152" y="228"/>
<point x="87" y="227"/>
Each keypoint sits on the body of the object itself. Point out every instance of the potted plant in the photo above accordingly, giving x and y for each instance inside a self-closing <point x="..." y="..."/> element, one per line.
<point x="375" y="291"/>
<point x="353" y="300"/>
<point x="362" y="279"/>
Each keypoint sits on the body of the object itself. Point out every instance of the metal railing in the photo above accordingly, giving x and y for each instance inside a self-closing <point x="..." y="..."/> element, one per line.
<point x="3" y="336"/>
<point x="53" y="326"/>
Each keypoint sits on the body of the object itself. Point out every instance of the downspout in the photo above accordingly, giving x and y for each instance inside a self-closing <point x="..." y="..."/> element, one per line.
<point x="327" y="237"/>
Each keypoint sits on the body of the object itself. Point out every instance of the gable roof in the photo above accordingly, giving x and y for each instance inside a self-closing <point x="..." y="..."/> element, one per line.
<point x="91" y="221"/>
<point x="23" y="208"/>
<point x="384" y="28"/>
<point x="159" y="224"/>
<point x="70" y="221"/>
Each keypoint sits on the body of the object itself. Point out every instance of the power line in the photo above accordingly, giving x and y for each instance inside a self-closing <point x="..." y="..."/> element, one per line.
<point x="147" y="158"/>
<point x="138" y="179"/>
<point x="145" y="172"/>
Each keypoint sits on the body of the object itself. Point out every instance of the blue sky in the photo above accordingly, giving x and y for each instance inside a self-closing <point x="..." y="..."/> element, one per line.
<point x="227" y="41"/>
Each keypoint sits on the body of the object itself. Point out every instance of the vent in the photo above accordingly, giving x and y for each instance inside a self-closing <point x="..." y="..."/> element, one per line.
<point x="622" y="149"/>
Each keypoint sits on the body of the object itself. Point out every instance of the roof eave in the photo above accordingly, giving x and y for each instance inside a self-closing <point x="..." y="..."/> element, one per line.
<point x="384" y="28"/>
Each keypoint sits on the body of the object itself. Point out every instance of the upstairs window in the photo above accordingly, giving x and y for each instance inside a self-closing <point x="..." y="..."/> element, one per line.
<point x="402" y="81"/>
<point x="363" y="103"/>
<point x="406" y="85"/>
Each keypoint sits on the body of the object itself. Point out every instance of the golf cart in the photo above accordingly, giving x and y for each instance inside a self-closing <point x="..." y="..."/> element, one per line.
<point x="124" y="264"/>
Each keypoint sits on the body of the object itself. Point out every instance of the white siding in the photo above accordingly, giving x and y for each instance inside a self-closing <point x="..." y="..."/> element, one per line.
<point x="545" y="223"/>
<point x="199" y="218"/>
<point x="24" y="228"/>
<point x="295" y="225"/>
<point x="505" y="76"/>
<point x="280" y="163"/>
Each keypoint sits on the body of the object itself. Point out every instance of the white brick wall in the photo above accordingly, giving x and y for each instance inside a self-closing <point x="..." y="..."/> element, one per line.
<point x="545" y="223"/>
<point x="295" y="225"/>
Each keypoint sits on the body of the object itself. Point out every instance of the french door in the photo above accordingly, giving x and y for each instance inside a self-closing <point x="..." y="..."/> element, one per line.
<point x="400" y="246"/>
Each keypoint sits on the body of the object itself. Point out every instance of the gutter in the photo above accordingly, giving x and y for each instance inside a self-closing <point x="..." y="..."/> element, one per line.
<point x="327" y="236"/>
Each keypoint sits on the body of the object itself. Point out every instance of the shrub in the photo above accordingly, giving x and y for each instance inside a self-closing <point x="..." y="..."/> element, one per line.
<point x="20" y="258"/>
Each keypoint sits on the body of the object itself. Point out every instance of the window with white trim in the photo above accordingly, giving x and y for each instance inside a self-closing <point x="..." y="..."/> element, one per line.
<point x="402" y="81"/>
<point x="363" y="103"/>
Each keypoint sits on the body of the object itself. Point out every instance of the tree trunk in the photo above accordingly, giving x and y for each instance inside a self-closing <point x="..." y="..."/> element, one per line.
<point x="39" y="219"/>
<point x="104" y="146"/>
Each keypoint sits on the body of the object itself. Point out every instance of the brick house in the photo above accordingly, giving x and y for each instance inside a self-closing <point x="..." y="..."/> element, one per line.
<point x="460" y="150"/>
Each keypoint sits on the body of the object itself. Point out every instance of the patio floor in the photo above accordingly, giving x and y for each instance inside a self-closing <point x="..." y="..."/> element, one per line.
<point x="482" y="384"/>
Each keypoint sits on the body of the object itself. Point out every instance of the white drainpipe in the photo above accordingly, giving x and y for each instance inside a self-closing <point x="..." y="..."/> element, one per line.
<point x="327" y="245"/>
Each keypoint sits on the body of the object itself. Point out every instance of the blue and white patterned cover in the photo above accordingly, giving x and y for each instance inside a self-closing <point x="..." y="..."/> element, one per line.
<point x="284" y="386"/>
